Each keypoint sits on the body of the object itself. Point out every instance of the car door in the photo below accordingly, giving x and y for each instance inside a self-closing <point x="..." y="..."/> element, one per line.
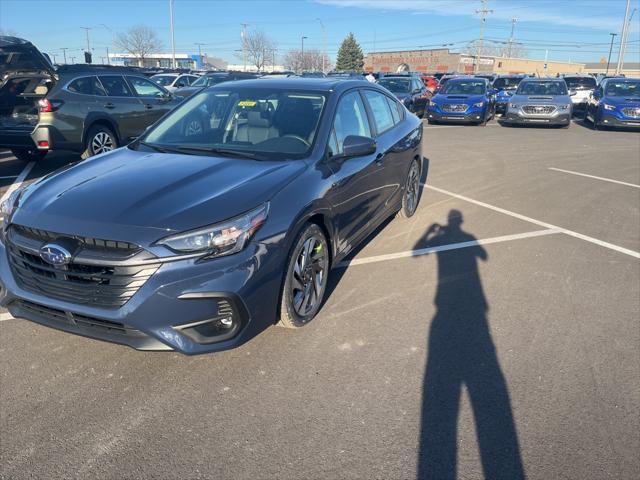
<point x="155" y="99"/>
<point x="419" y="94"/>
<point x="353" y="195"/>
<point x="122" y="106"/>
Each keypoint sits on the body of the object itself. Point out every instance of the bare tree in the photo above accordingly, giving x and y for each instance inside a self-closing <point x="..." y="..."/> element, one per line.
<point x="139" y="41"/>
<point x="312" y="61"/>
<point x="259" y="49"/>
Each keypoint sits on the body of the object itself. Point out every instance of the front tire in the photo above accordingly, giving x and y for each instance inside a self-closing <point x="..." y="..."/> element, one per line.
<point x="306" y="278"/>
<point x="100" y="139"/>
<point x="411" y="196"/>
<point x="29" y="154"/>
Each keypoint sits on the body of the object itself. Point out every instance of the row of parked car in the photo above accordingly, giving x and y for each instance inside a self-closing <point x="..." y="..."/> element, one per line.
<point x="520" y="99"/>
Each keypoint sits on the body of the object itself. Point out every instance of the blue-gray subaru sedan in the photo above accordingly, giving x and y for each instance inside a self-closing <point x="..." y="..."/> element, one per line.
<point x="225" y="217"/>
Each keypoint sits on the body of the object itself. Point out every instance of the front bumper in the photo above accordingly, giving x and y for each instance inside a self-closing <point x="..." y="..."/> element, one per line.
<point x="161" y="314"/>
<point x="470" y="116"/>
<point x="518" y="117"/>
<point x="619" y="120"/>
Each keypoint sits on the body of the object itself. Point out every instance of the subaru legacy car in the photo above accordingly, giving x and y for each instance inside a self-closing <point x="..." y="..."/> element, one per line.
<point x="83" y="108"/>
<point x="505" y="86"/>
<point x="545" y="101"/>
<point x="583" y="86"/>
<point x="409" y="90"/>
<point x="615" y="103"/>
<point x="196" y="243"/>
<point x="463" y="99"/>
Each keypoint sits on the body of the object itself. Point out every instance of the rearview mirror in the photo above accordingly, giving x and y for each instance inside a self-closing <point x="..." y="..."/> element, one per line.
<point x="357" y="146"/>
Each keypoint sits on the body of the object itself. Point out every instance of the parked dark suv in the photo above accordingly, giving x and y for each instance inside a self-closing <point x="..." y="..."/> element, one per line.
<point x="84" y="108"/>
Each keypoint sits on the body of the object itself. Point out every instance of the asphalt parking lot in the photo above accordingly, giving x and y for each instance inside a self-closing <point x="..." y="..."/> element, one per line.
<point x="506" y="339"/>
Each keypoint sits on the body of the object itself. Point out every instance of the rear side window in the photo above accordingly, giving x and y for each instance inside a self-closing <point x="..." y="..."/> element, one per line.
<point x="381" y="111"/>
<point x="86" y="86"/>
<point x="144" y="87"/>
<point x="395" y="112"/>
<point x="115" y="86"/>
<point x="351" y="119"/>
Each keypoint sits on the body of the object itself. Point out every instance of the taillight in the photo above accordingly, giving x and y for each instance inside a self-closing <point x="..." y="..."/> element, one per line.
<point x="45" y="105"/>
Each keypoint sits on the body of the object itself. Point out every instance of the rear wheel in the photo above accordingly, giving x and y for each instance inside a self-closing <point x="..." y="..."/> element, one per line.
<point x="29" y="154"/>
<point x="411" y="195"/>
<point x="306" y="278"/>
<point x="100" y="139"/>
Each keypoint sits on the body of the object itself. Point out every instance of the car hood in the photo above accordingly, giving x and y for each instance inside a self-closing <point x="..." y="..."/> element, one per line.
<point x="18" y="55"/>
<point x="138" y="196"/>
<point x="622" y="101"/>
<point x="541" y="99"/>
<point x="453" y="98"/>
<point x="186" y="91"/>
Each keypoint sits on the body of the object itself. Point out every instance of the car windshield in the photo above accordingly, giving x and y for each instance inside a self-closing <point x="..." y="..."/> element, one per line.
<point x="580" y="83"/>
<point x="542" y="88"/>
<point x="262" y="123"/>
<point x="506" y="83"/>
<point x="209" y="81"/>
<point x="396" y="85"/>
<point x="164" y="80"/>
<point x="465" y="87"/>
<point x="622" y="89"/>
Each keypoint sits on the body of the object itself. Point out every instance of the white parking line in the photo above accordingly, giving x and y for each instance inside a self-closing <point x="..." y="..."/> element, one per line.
<point x="15" y="185"/>
<point x="6" y="316"/>
<point x="442" y="248"/>
<point x="597" y="178"/>
<point x="586" y="238"/>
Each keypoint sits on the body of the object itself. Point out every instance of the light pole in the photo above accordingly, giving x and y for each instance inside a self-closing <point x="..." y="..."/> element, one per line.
<point x="243" y="34"/>
<point x="173" y="38"/>
<point x="88" y="46"/>
<point x="64" y="54"/>
<point x="613" y="35"/>
<point x="112" y="41"/>
<point x="200" y="52"/>
<point x="324" y="43"/>
<point x="623" y="37"/>
<point x="302" y="55"/>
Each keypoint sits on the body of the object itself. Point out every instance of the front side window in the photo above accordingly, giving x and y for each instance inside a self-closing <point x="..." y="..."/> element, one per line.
<point x="145" y="88"/>
<point x="263" y="123"/>
<point x="350" y="119"/>
<point x="115" y="86"/>
<point x="86" y="86"/>
<point x="542" y="88"/>
<point x="380" y="109"/>
<point x="465" y="87"/>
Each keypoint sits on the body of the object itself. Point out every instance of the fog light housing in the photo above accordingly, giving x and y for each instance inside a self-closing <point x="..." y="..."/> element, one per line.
<point x="218" y="328"/>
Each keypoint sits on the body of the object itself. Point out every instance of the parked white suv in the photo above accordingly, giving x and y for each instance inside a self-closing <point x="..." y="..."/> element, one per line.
<point x="583" y="86"/>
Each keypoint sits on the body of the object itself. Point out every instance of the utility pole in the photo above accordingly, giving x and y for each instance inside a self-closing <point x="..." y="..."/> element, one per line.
<point x="546" y="57"/>
<point x="302" y="55"/>
<point x="112" y="41"/>
<point x="483" y="18"/>
<point x="324" y="43"/>
<point x="243" y="35"/>
<point x="623" y="37"/>
<point x="513" y="26"/>
<point x="87" y="30"/>
<point x="108" y="59"/>
<point x="64" y="53"/>
<point x="200" y="52"/>
<point x="613" y="35"/>
<point x="624" y="47"/>
<point x="54" y="58"/>
<point x="173" y="38"/>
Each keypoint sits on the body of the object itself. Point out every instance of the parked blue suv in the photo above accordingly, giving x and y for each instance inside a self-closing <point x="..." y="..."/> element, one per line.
<point x="505" y="85"/>
<point x="463" y="99"/>
<point x="615" y="103"/>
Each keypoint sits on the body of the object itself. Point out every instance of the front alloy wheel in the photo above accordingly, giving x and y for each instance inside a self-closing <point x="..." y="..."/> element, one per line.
<point x="306" y="278"/>
<point x="411" y="195"/>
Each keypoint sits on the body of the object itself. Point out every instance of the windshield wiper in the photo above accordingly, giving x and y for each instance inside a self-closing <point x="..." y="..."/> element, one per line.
<point x="218" y="151"/>
<point x="157" y="148"/>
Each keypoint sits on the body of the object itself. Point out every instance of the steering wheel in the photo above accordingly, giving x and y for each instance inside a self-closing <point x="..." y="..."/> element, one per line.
<point x="297" y="137"/>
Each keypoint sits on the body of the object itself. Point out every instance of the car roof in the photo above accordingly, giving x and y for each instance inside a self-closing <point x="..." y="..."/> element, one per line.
<point x="542" y="79"/>
<point x="300" y="83"/>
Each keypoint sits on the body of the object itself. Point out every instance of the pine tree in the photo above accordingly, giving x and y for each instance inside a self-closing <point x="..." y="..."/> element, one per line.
<point x="350" y="55"/>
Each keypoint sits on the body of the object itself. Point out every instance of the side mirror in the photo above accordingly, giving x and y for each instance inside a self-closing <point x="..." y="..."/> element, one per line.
<point x="572" y="93"/>
<point x="357" y="146"/>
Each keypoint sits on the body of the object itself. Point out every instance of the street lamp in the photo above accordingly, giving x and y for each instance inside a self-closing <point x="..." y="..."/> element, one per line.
<point x="613" y="35"/>
<point x="324" y="43"/>
<point x="112" y="41"/>
<point x="302" y="56"/>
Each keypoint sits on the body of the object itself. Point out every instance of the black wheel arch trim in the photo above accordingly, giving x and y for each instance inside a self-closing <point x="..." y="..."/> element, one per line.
<point x="96" y="118"/>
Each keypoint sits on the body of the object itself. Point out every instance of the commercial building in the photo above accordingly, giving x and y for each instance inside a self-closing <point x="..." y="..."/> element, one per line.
<point x="629" y="69"/>
<point x="159" y="60"/>
<point x="444" y="60"/>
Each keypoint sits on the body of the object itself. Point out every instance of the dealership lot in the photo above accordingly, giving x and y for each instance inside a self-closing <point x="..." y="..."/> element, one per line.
<point x="535" y="312"/>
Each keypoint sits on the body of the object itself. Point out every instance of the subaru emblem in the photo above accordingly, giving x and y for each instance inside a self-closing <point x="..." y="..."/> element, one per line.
<point x="55" y="254"/>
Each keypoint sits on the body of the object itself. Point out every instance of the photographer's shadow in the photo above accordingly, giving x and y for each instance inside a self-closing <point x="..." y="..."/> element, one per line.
<point x="461" y="353"/>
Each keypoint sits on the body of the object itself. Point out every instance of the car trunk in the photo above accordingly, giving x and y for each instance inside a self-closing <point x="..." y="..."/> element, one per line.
<point x="26" y="76"/>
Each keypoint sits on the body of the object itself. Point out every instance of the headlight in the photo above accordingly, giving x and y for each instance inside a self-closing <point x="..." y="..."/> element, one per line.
<point x="222" y="239"/>
<point x="513" y="105"/>
<point x="8" y="207"/>
<point x="608" y="107"/>
<point x="564" y="107"/>
<point x="478" y="105"/>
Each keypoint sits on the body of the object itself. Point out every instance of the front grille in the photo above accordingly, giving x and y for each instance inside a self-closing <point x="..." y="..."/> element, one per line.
<point x="104" y="282"/>
<point x="85" y="242"/>
<point x="73" y="319"/>
<point x="631" y="112"/>
<point x="455" y="107"/>
<point x="538" y="109"/>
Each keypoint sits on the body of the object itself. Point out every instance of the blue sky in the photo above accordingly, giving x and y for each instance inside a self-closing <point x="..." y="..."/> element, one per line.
<point x="576" y="30"/>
